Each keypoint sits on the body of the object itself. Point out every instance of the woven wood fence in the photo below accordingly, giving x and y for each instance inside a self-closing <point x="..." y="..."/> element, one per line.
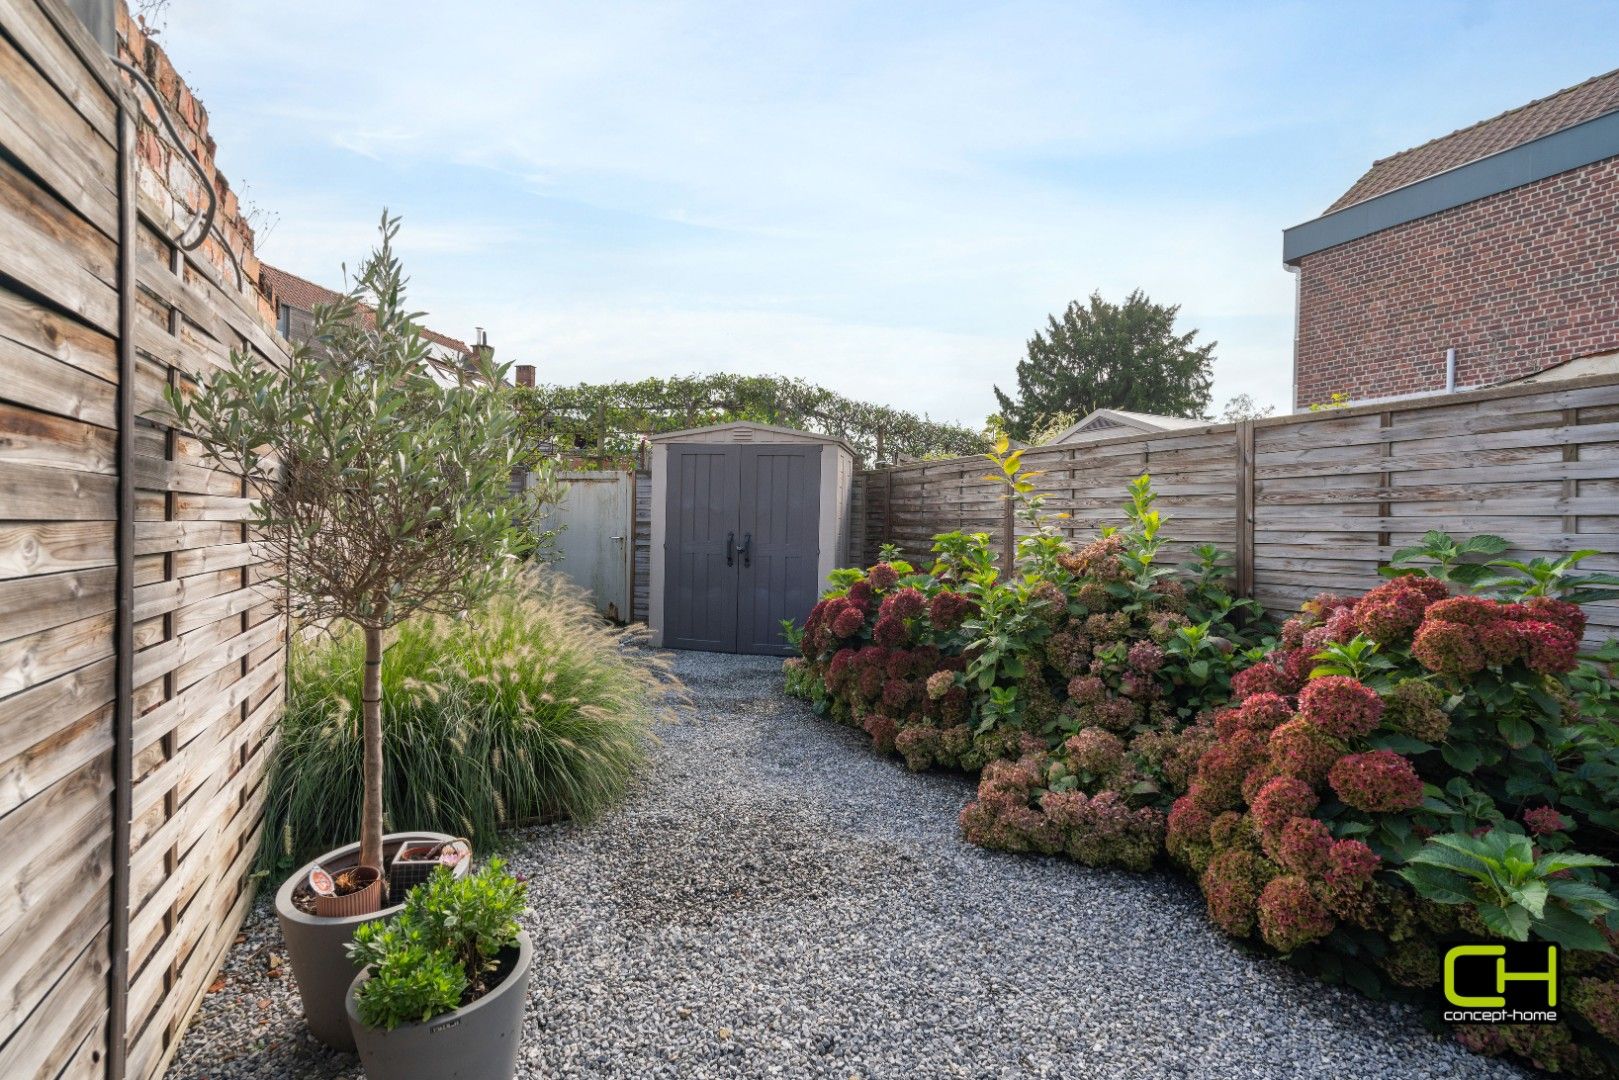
<point x="1318" y="501"/>
<point x="141" y="671"/>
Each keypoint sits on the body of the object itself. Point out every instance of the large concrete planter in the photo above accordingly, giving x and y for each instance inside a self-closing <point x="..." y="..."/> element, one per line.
<point x="479" y="1042"/>
<point x="317" y="947"/>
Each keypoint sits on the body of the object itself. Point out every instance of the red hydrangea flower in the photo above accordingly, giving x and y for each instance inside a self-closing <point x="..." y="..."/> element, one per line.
<point x="1557" y="612"/>
<point x="861" y="596"/>
<point x="1351" y="860"/>
<point x="1087" y="690"/>
<point x="896" y="694"/>
<point x="1340" y="706"/>
<point x="1547" y="648"/>
<point x="1392" y="611"/>
<point x="947" y="610"/>
<point x="1378" y="781"/>
<point x="1231" y="883"/>
<point x="870" y="682"/>
<point x="882" y="577"/>
<point x="1146" y="657"/>
<point x="1541" y="820"/>
<point x="847" y="620"/>
<point x="1263" y="678"/>
<point x="1302" y="750"/>
<point x="1447" y="648"/>
<point x="1467" y="611"/>
<point x="1303" y="846"/>
<point x="1281" y="799"/>
<point x="898" y="663"/>
<point x="940" y="683"/>
<point x="907" y="603"/>
<point x="1290" y="916"/>
<point x="882" y="731"/>
<point x="1188" y="824"/>
<point x="1095" y="751"/>
<point x="1223" y="767"/>
<point x="890" y="632"/>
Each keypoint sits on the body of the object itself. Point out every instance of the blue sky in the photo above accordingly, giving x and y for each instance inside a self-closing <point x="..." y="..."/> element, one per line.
<point x="887" y="199"/>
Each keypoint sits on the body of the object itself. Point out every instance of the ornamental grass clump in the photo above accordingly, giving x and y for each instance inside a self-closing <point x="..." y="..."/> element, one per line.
<point x="525" y="708"/>
<point x="1414" y="765"/>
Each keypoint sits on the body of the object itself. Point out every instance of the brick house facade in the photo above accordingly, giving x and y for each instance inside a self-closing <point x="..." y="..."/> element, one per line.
<point x="1500" y="241"/>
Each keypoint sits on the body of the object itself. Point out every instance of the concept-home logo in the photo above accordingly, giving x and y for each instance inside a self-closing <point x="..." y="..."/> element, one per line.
<point x="1501" y="984"/>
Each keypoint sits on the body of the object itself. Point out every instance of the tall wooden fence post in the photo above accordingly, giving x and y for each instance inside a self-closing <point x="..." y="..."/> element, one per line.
<point x="1245" y="509"/>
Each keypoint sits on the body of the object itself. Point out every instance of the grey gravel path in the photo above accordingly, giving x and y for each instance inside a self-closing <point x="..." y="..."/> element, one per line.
<point x="777" y="901"/>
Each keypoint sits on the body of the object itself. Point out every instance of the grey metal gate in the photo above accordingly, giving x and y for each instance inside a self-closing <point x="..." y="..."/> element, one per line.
<point x="741" y="546"/>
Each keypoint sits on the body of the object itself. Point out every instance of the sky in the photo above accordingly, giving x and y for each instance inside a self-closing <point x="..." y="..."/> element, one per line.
<point x="887" y="199"/>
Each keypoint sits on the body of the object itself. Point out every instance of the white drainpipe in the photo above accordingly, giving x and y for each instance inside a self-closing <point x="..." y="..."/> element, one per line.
<point x="1450" y="371"/>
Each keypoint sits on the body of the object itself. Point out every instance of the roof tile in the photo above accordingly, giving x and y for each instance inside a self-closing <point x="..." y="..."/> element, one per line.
<point x="1541" y="117"/>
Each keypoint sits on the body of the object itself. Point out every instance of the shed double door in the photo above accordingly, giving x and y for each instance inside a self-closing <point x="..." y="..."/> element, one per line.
<point x="742" y="544"/>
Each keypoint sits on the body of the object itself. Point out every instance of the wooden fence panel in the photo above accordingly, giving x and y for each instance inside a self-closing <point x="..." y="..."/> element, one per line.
<point x="1318" y="501"/>
<point x="111" y="926"/>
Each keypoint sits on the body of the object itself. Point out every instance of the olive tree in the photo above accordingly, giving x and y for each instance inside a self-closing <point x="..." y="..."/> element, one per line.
<point x="381" y="493"/>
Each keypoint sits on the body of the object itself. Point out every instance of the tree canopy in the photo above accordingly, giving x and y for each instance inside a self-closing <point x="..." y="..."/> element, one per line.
<point x="609" y="419"/>
<point x="1100" y="355"/>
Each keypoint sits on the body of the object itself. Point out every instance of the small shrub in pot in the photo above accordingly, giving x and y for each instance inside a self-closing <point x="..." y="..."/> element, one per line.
<point x="444" y="983"/>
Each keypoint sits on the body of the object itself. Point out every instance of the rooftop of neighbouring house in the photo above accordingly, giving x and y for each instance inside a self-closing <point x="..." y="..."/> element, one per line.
<point x="1544" y="116"/>
<point x="303" y="294"/>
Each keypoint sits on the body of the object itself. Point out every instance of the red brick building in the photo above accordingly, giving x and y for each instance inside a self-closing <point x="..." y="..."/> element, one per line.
<point x="1499" y="241"/>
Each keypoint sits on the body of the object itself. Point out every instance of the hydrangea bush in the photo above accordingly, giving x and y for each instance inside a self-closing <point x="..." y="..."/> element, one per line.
<point x="1415" y="764"/>
<point x="1070" y="683"/>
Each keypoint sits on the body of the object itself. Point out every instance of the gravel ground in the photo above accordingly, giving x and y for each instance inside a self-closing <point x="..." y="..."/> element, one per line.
<point x="776" y="900"/>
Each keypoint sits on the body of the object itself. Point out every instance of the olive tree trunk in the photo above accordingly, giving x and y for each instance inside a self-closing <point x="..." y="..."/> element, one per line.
<point x="371" y="711"/>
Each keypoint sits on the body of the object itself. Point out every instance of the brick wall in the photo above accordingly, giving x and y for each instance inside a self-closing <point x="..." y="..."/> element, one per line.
<point x="1515" y="283"/>
<point x="166" y="179"/>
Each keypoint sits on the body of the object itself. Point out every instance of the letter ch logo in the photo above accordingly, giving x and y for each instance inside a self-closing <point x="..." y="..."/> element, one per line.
<point x="1462" y="988"/>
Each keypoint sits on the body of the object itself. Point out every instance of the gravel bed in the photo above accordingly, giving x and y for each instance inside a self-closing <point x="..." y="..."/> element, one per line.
<point x="774" y="900"/>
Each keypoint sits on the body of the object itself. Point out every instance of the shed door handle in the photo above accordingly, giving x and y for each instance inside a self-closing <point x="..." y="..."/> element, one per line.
<point x="747" y="549"/>
<point x="730" y="549"/>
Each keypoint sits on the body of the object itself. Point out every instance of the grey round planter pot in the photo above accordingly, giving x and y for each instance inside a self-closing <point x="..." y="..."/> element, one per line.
<point x="479" y="1042"/>
<point x="317" y="947"/>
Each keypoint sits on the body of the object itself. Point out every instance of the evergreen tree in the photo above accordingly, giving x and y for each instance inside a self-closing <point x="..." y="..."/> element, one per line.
<point x="1109" y="356"/>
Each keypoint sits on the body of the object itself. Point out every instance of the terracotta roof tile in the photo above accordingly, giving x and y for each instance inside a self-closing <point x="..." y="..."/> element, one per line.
<point x="1515" y="127"/>
<point x="294" y="291"/>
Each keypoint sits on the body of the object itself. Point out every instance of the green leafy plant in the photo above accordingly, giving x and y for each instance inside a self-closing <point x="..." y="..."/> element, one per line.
<point x="1451" y="558"/>
<point x="442" y="950"/>
<point x="1515" y="894"/>
<point x="1554" y="578"/>
<point x="527" y="707"/>
<point x="381" y="493"/>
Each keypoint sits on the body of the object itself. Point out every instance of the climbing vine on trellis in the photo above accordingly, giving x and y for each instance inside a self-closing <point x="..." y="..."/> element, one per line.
<point x="609" y="420"/>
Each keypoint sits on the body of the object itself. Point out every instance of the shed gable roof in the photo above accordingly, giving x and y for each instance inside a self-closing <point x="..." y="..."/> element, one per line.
<point x="1541" y="117"/>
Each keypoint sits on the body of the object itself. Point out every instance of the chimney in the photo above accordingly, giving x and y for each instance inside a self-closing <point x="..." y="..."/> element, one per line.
<point x="525" y="374"/>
